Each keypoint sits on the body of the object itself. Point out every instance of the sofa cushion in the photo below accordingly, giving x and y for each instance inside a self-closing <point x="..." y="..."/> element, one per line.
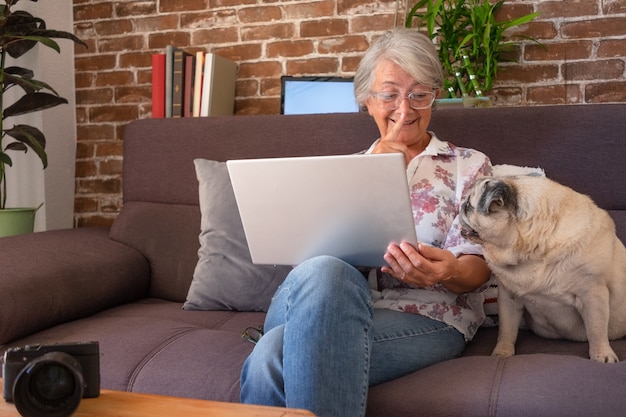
<point x="62" y="275"/>
<point x="225" y="278"/>
<point x="167" y="235"/>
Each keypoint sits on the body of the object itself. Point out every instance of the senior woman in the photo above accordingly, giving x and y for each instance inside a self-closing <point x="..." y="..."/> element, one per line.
<point x="331" y="330"/>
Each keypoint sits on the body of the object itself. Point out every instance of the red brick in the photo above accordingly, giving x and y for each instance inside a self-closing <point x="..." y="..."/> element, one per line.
<point x="612" y="48"/>
<point x="566" y="8"/>
<point x="609" y="92"/>
<point x="350" y="63"/>
<point x="247" y="88"/>
<point x="259" y="70"/>
<point x="156" y="23"/>
<point x="99" y="186"/>
<point x="209" y="19"/>
<point x="506" y="96"/>
<point x="225" y="3"/>
<point x="368" y="23"/>
<point x="328" y="27"/>
<point x="289" y="48"/>
<point x="111" y="205"/>
<point x="614" y="6"/>
<point x="313" y="66"/>
<point x="362" y="6"/>
<point x="264" y="32"/>
<point x="344" y="44"/>
<point x="86" y="169"/>
<point x="238" y="53"/>
<point x="94" y="96"/>
<point x="91" y="11"/>
<point x="112" y="113"/>
<point x="113" y="27"/>
<point x="260" y="14"/>
<point x="110" y="166"/>
<point x="605" y="69"/>
<point x="303" y="10"/>
<point x="82" y="80"/>
<point x="595" y="28"/>
<point x="214" y="36"/>
<point x="95" y="63"/>
<point x="270" y="87"/>
<point x="94" y="133"/>
<point x="109" y="148"/>
<point x="555" y="94"/>
<point x="182" y="5"/>
<point x="529" y="73"/>
<point x="114" y="78"/>
<point x="160" y="40"/>
<point x="562" y="51"/>
<point x="133" y="94"/>
<point x="127" y="43"/>
<point x="136" y="59"/>
<point x="85" y="205"/>
<point x="94" y="221"/>
<point x="135" y="8"/>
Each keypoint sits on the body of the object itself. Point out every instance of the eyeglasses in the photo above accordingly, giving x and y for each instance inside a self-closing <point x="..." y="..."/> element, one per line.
<point x="253" y="334"/>
<point x="418" y="100"/>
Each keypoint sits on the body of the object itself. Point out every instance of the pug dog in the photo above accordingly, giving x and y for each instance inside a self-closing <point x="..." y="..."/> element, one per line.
<point x="556" y="258"/>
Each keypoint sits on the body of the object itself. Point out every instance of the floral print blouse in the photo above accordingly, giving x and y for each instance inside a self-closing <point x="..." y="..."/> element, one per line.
<point x="438" y="180"/>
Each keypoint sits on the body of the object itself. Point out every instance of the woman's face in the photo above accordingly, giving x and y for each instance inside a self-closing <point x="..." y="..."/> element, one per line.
<point x="390" y="78"/>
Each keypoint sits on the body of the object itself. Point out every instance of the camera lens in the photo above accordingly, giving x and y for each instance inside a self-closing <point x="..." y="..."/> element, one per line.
<point x="51" y="386"/>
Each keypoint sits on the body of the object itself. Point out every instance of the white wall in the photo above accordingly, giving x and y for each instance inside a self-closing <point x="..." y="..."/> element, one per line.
<point x="29" y="185"/>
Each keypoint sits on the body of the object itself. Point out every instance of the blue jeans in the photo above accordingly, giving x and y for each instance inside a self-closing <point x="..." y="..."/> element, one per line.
<point x="324" y="345"/>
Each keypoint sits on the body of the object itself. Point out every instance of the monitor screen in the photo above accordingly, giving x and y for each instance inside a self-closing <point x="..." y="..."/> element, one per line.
<point x="306" y="95"/>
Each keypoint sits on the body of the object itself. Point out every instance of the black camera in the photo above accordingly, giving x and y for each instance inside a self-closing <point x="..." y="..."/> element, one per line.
<point x="50" y="380"/>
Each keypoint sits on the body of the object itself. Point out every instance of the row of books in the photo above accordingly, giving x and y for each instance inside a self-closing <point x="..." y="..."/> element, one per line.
<point x="192" y="85"/>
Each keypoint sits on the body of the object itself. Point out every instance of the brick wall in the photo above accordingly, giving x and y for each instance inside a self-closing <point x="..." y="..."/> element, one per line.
<point x="585" y="62"/>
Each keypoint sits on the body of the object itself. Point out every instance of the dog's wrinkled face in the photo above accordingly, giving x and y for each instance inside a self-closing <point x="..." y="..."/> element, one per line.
<point x="489" y="211"/>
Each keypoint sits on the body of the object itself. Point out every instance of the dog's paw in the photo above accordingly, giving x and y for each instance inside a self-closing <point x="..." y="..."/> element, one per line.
<point x="504" y="350"/>
<point x="603" y="356"/>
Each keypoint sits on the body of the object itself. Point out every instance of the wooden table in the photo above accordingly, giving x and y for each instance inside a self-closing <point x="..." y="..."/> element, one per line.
<point x="129" y="404"/>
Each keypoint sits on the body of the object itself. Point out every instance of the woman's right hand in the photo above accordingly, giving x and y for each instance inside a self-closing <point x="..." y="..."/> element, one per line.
<point x="389" y="143"/>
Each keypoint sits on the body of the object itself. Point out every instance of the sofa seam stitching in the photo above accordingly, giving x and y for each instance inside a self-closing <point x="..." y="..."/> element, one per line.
<point x="495" y="387"/>
<point x="151" y="355"/>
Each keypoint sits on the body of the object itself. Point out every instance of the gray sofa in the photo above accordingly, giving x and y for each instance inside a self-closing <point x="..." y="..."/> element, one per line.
<point x="125" y="287"/>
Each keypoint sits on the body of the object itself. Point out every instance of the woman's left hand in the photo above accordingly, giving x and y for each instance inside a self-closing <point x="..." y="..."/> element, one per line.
<point x="426" y="265"/>
<point x="422" y="266"/>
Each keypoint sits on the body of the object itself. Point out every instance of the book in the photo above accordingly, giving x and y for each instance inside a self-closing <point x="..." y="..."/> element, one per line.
<point x="188" y="87"/>
<point x="197" y="83"/>
<point x="169" y="72"/>
<point x="178" y="81"/>
<point x="158" y="85"/>
<point x="218" y="86"/>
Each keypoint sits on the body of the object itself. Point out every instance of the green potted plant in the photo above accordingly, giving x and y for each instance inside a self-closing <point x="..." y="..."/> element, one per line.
<point x="470" y="42"/>
<point x="20" y="31"/>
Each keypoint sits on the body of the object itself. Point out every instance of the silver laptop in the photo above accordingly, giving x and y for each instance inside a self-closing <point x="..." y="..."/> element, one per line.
<point x="348" y="206"/>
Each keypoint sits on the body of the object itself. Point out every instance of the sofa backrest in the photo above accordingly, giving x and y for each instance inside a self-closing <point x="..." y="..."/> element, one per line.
<point x="581" y="146"/>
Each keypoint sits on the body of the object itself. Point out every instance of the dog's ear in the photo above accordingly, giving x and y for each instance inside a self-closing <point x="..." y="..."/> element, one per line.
<point x="497" y="194"/>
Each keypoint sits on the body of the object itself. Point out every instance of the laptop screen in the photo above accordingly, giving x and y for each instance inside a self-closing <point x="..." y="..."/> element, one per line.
<point x="307" y="95"/>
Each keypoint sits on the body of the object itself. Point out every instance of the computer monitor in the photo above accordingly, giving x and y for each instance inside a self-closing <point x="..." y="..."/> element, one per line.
<point x="320" y="94"/>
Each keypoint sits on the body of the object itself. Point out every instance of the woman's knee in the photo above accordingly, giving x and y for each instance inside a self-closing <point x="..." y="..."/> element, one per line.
<point x="328" y="272"/>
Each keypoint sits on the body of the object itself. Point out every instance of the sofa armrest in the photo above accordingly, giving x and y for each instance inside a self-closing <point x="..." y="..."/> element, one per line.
<point x="53" y="277"/>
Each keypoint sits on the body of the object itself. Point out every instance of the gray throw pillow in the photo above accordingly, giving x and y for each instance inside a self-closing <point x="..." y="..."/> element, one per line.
<point x="225" y="277"/>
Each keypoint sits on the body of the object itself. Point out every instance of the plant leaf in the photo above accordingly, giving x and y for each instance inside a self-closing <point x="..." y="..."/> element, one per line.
<point x="33" y="102"/>
<point x="5" y="159"/>
<point x="31" y="137"/>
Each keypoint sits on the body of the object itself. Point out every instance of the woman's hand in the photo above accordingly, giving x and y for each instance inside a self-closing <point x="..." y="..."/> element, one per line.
<point x="425" y="266"/>
<point x="390" y="143"/>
